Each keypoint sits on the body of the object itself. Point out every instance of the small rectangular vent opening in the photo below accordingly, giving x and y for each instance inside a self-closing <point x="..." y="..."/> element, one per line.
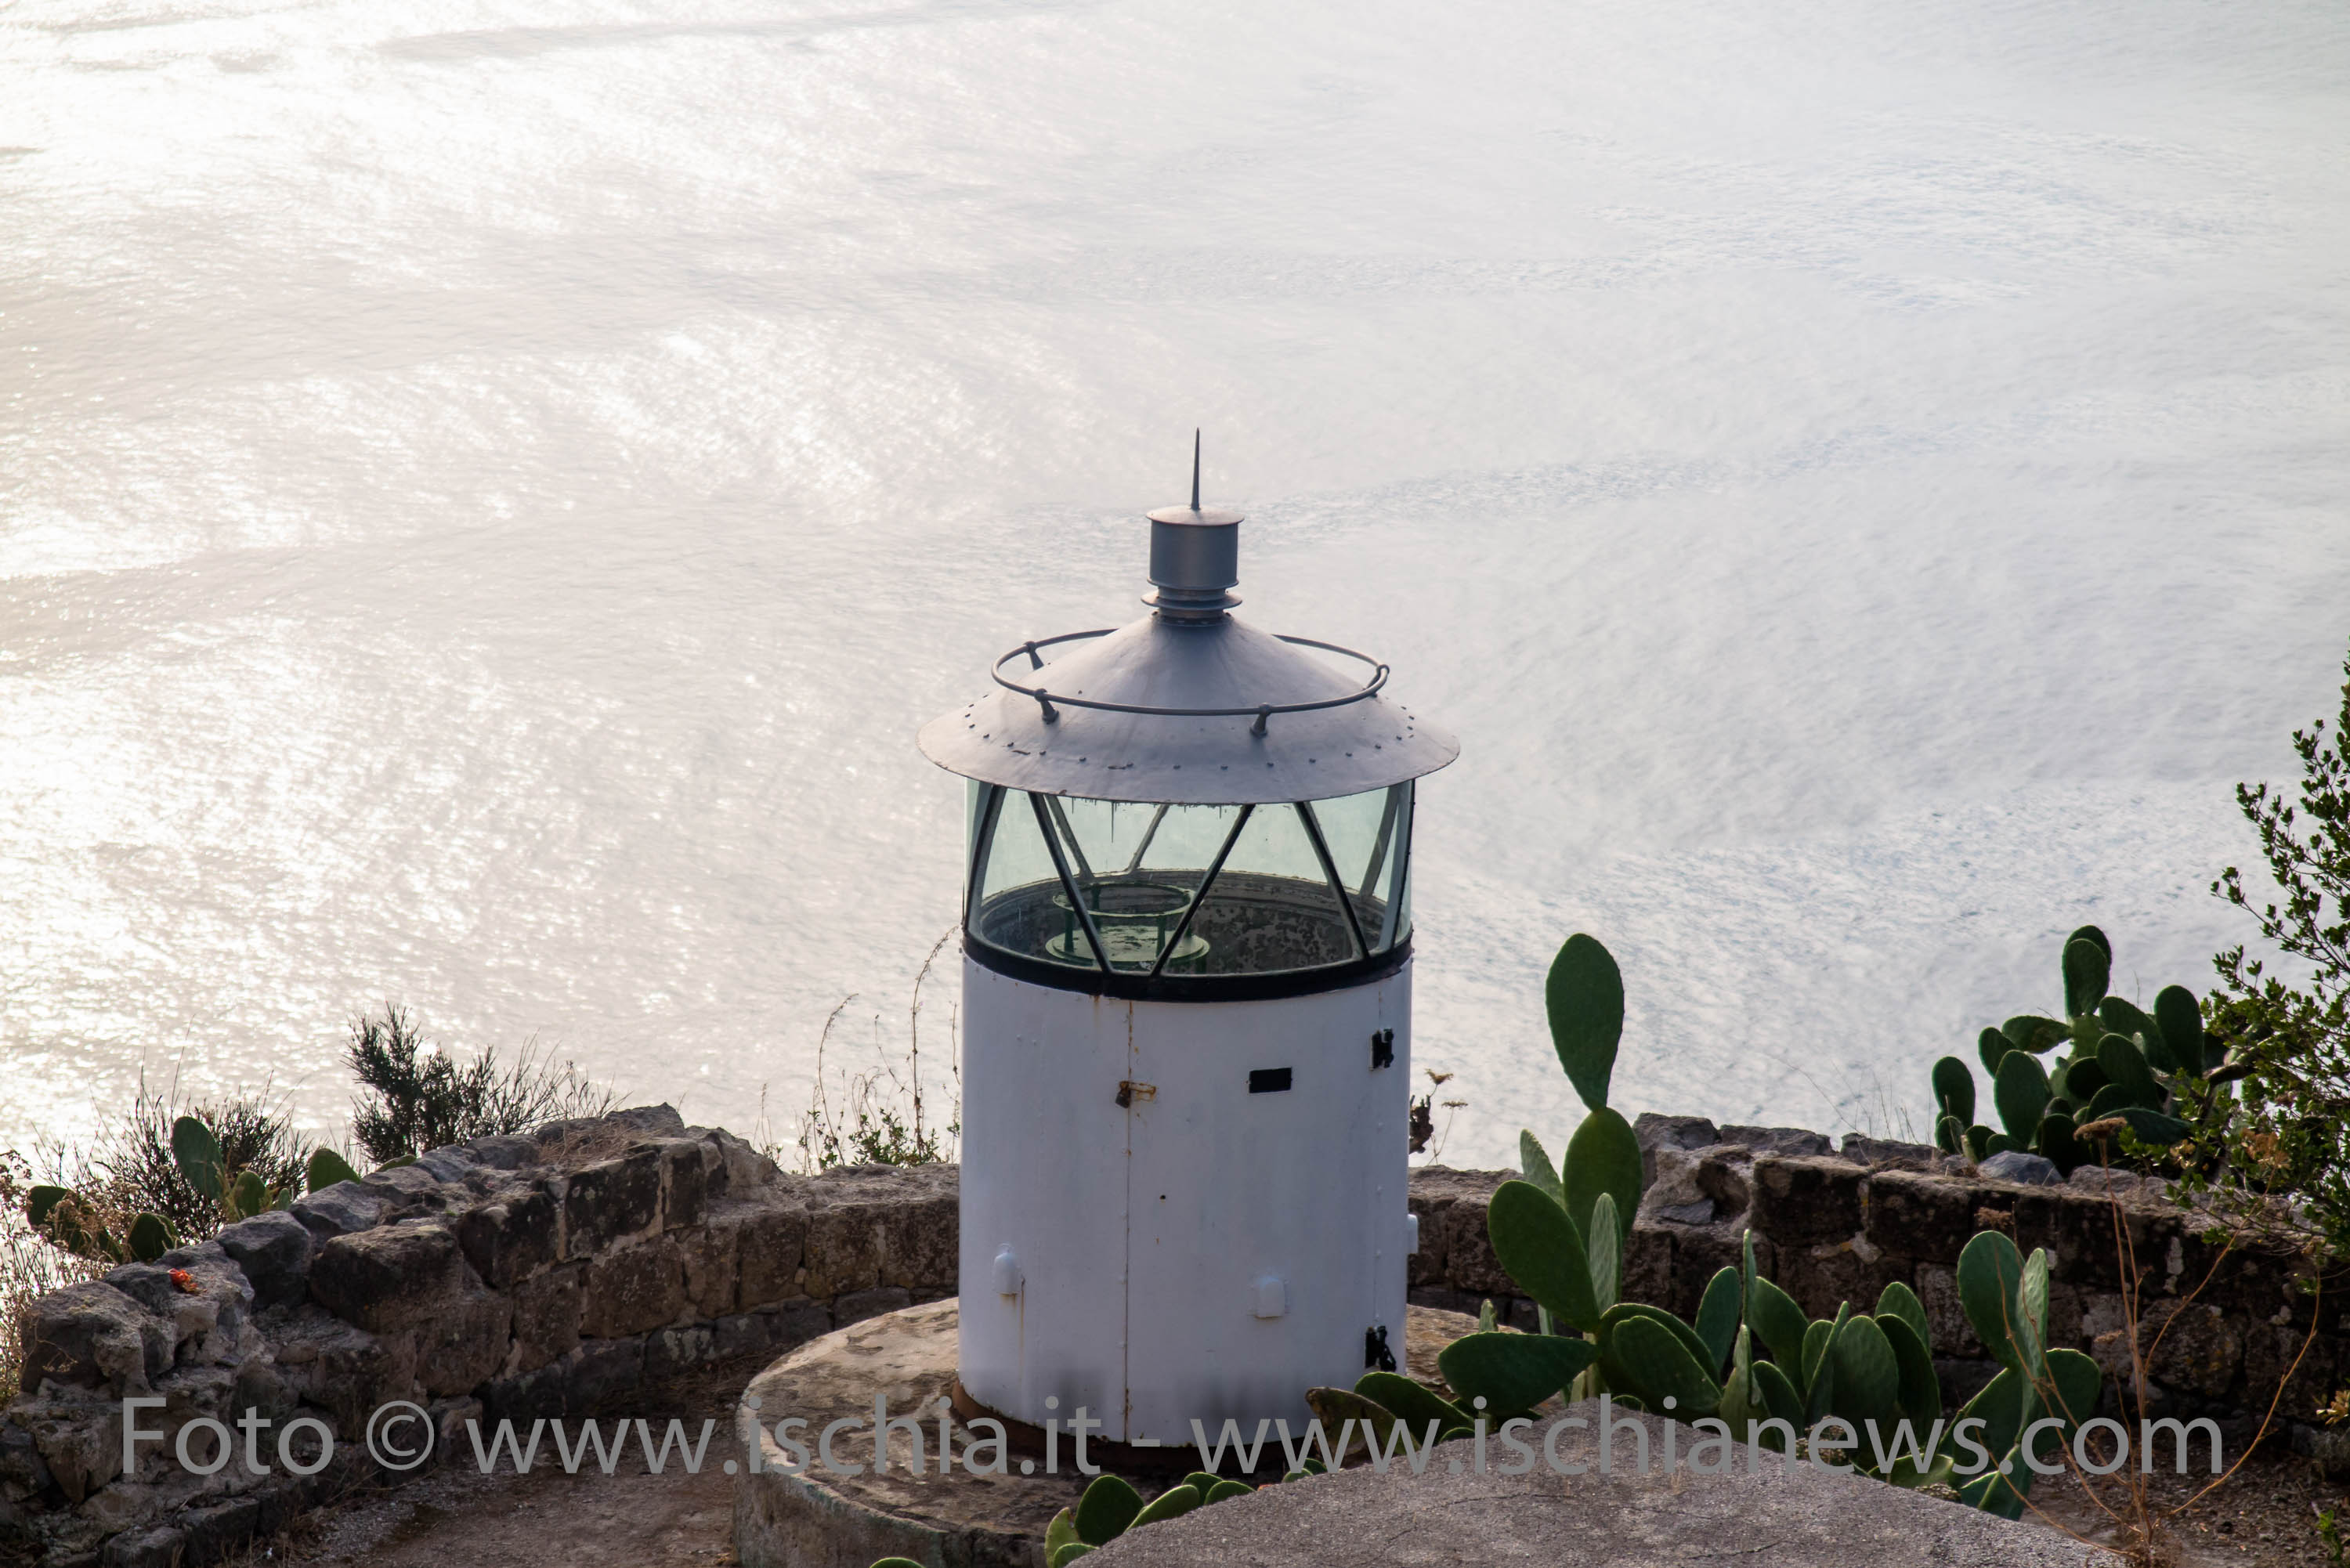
<point x="1268" y="1080"/>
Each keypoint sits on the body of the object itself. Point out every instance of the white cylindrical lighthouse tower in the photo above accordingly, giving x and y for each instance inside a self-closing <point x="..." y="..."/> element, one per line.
<point x="1187" y="1012"/>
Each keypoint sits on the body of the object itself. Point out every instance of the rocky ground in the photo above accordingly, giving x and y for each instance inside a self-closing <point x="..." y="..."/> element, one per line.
<point x="546" y="1519"/>
<point x="2264" y="1516"/>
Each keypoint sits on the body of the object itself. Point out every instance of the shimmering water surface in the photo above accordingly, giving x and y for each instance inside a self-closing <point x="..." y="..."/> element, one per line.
<point x="487" y="492"/>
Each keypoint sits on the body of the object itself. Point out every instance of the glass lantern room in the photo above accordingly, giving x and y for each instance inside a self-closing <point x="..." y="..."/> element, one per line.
<point x="1187" y="807"/>
<point x="1167" y="893"/>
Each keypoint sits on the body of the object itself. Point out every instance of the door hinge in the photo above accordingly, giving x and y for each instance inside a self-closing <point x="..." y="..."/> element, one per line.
<point x="1382" y="1049"/>
<point x="1375" y="1349"/>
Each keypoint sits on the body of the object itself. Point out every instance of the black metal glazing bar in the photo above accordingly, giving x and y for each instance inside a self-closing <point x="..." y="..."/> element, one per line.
<point x="1379" y="848"/>
<point x="1206" y="883"/>
<point x="1389" y="932"/>
<point x="1061" y="864"/>
<point x="1337" y="883"/>
<point x="1143" y="848"/>
<point x="982" y="839"/>
<point x="1086" y="877"/>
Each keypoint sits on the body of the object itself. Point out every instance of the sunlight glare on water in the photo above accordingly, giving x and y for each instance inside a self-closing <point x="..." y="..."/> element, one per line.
<point x="487" y="492"/>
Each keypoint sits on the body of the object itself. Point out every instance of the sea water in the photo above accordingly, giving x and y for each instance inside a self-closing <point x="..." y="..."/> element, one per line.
<point x="488" y="491"/>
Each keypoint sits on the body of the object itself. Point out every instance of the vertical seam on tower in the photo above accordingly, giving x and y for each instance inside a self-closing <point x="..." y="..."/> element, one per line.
<point x="1127" y="1284"/>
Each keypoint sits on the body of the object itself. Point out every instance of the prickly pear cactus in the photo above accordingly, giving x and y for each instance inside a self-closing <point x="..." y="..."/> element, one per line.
<point x="2153" y="1071"/>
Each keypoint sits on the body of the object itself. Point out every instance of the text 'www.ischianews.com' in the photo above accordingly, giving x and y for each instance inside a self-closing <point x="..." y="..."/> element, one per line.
<point x="403" y="1436"/>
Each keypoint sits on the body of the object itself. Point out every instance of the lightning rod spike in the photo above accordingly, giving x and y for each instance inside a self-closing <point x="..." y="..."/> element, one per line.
<point x="1195" y="469"/>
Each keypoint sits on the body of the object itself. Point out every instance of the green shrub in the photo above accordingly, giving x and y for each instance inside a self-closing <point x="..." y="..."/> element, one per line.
<point x="414" y="1097"/>
<point x="2292" y="1136"/>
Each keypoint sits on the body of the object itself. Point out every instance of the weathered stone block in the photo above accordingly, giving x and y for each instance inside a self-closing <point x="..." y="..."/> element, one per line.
<point x="23" y="1472"/>
<point x="206" y="1315"/>
<point x="613" y="1201"/>
<point x="1885" y="1154"/>
<point x="1671" y="1195"/>
<point x="189" y="1394"/>
<point x="770" y="1250"/>
<point x="1454" y="1248"/>
<point x="78" y="1440"/>
<point x="746" y="1169"/>
<point x="545" y="1318"/>
<point x="880" y="1225"/>
<point x="601" y="1369"/>
<point x="461" y="1435"/>
<point x="671" y="1352"/>
<point x="212" y="1533"/>
<point x="259" y="1386"/>
<point x="1648" y="1271"/>
<point x="338" y="1211"/>
<point x="2064" y="1317"/>
<point x="392" y="1277"/>
<point x="1937" y="1285"/>
<point x="1791" y="1143"/>
<point x="273" y="1250"/>
<point x="685" y="1177"/>
<point x="158" y="1547"/>
<point x="2193" y="1347"/>
<point x="2023" y="1168"/>
<point x="464" y="1342"/>
<point x="344" y="1369"/>
<point x="712" y="1265"/>
<point x="1654" y="1132"/>
<point x="409" y="1190"/>
<point x="93" y="1336"/>
<point x="2271" y="1350"/>
<point x="1825" y="1275"/>
<point x="797" y="1321"/>
<point x="1804" y="1199"/>
<point x="1700" y="1252"/>
<point x="633" y="1289"/>
<point x="504" y="1151"/>
<point x="1728" y="1184"/>
<point x="452" y="1164"/>
<point x="1914" y="1215"/>
<point x="510" y="1237"/>
<point x="525" y="1397"/>
<point x="843" y="1250"/>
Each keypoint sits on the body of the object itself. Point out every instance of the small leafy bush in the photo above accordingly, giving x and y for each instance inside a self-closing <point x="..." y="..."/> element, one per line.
<point x="414" y="1097"/>
<point x="2294" y="1136"/>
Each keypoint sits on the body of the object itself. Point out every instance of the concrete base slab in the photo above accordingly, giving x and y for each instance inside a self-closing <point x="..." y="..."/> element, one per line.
<point x="1762" y="1515"/>
<point x="957" y="1521"/>
<point x="1800" y="1517"/>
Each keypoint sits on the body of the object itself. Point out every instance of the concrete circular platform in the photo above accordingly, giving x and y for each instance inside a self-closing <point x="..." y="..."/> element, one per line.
<point x="822" y="1520"/>
<point x="1760" y="1514"/>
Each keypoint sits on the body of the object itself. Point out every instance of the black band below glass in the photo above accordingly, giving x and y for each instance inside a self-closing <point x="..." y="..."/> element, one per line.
<point x="1132" y="987"/>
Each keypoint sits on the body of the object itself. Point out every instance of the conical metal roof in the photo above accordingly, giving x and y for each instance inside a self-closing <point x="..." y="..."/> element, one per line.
<point x="1188" y="705"/>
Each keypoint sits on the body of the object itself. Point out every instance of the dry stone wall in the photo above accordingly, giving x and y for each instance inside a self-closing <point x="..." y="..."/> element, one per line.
<point x="520" y="1276"/>
<point x="1833" y="1225"/>
<point x="550" y="1274"/>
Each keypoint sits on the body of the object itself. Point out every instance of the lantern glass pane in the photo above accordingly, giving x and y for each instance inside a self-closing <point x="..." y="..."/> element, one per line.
<point x="1366" y="834"/>
<point x="1021" y="904"/>
<point x="1398" y="875"/>
<point x="1271" y="908"/>
<point x="1139" y="869"/>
